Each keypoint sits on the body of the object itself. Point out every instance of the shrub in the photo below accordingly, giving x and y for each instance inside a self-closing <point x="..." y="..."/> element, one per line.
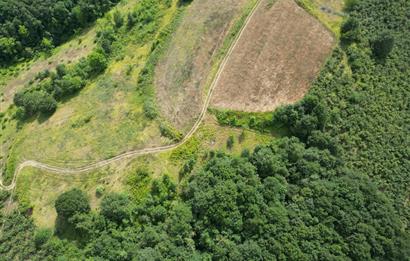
<point x="169" y="132"/>
<point x="230" y="142"/>
<point x="350" y="31"/>
<point x="35" y="101"/>
<point x="150" y="110"/>
<point x="97" y="63"/>
<point x="68" y="85"/>
<point x="118" y="19"/>
<point x="42" y="236"/>
<point x="187" y="168"/>
<point x="99" y="191"/>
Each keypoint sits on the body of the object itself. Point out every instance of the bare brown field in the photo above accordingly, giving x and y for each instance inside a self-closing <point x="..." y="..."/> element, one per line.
<point x="181" y="74"/>
<point x="277" y="57"/>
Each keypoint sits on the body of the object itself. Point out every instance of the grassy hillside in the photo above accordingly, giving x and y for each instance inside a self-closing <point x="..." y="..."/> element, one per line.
<point x="107" y="117"/>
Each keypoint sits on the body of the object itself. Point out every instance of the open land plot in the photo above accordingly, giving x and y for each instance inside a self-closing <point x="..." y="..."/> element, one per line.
<point x="275" y="60"/>
<point x="181" y="74"/>
<point x="104" y="119"/>
<point x="38" y="189"/>
<point x="69" y="52"/>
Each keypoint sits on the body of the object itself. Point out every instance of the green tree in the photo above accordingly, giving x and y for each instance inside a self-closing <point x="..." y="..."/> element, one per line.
<point x="46" y="45"/>
<point x="35" y="101"/>
<point x="72" y="202"/>
<point x="8" y="48"/>
<point x="97" y="63"/>
<point x="67" y="85"/>
<point x="383" y="45"/>
<point x="116" y="207"/>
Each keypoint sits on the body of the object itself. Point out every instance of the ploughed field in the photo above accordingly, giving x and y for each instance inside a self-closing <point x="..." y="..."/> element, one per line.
<point x="277" y="57"/>
<point x="182" y="73"/>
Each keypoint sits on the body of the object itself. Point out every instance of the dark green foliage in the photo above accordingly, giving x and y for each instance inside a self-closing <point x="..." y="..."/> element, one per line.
<point x="41" y="237"/>
<point x="187" y="168"/>
<point x="34" y="101"/>
<point x="55" y="86"/>
<point x="131" y="20"/>
<point x="367" y="111"/>
<point x="16" y="237"/>
<point x="230" y="142"/>
<point x="70" y="203"/>
<point x="115" y="207"/>
<point x="383" y="45"/>
<point x="27" y="26"/>
<point x="118" y="19"/>
<point x="67" y="85"/>
<point x="268" y="163"/>
<point x="97" y="63"/>
<point x="350" y="31"/>
<point x="303" y="118"/>
<point x="105" y="38"/>
<point x="150" y="110"/>
<point x="336" y="190"/>
<point x="232" y="209"/>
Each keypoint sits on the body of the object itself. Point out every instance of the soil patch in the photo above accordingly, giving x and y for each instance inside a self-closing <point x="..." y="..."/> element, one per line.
<point x="182" y="72"/>
<point x="278" y="56"/>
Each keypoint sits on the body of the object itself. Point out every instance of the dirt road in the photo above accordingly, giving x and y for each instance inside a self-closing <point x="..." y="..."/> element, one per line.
<point x="135" y="153"/>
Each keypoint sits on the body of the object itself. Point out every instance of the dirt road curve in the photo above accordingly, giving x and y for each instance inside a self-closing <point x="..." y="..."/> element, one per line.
<point x="135" y="153"/>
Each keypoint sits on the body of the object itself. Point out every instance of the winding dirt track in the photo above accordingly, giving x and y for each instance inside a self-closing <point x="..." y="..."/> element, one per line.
<point x="135" y="153"/>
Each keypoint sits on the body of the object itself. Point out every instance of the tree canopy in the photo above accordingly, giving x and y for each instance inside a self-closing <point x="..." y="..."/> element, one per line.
<point x="30" y="25"/>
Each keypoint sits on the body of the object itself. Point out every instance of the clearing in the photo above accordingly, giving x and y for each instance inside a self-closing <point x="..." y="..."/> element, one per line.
<point x="38" y="189"/>
<point x="275" y="60"/>
<point x="104" y="119"/>
<point x="182" y="72"/>
<point x="70" y="52"/>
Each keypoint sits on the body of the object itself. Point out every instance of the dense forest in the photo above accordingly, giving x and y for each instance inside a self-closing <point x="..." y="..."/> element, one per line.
<point x="27" y="26"/>
<point x="336" y="188"/>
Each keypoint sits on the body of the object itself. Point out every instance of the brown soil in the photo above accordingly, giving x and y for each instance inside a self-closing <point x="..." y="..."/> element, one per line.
<point x="182" y="72"/>
<point x="278" y="56"/>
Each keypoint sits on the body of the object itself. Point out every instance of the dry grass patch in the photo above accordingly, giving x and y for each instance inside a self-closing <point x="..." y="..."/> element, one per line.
<point x="70" y="52"/>
<point x="38" y="189"/>
<point x="181" y="74"/>
<point x="276" y="59"/>
<point x="329" y="12"/>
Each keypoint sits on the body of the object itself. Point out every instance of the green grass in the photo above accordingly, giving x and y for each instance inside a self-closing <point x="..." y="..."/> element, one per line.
<point x="259" y="121"/>
<point x="106" y="117"/>
<point x="333" y="20"/>
<point x="39" y="189"/>
<point x="21" y="74"/>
